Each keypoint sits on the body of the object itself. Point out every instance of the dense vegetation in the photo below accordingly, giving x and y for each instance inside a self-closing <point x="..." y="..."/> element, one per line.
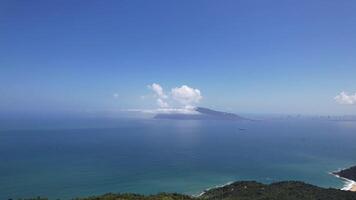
<point x="245" y="190"/>
<point x="290" y="190"/>
<point x="349" y="173"/>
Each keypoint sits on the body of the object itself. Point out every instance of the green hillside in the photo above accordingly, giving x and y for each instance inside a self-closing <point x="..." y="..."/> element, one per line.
<point x="244" y="190"/>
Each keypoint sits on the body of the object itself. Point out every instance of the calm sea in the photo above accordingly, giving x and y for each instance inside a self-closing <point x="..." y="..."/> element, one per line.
<point x="63" y="159"/>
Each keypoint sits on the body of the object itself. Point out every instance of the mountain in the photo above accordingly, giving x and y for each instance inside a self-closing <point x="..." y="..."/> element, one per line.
<point x="349" y="173"/>
<point x="244" y="190"/>
<point x="200" y="113"/>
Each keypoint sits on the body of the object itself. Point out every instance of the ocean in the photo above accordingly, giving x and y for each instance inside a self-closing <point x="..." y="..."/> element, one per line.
<point x="76" y="158"/>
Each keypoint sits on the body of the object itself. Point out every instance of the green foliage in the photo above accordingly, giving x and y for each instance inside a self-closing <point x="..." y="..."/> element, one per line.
<point x="243" y="190"/>
<point x="37" y="198"/>
<point x="289" y="190"/>
<point x="161" y="196"/>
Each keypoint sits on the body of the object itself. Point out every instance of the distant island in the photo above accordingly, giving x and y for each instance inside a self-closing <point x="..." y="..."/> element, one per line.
<point x="243" y="190"/>
<point x="200" y="113"/>
<point x="349" y="175"/>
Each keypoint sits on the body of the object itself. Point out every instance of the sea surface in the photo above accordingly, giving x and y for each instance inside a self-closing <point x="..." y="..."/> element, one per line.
<point x="75" y="158"/>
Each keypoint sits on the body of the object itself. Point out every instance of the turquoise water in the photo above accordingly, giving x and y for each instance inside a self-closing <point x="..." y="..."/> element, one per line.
<point x="63" y="160"/>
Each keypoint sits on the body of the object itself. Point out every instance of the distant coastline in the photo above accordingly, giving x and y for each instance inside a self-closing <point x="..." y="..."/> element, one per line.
<point x="200" y="113"/>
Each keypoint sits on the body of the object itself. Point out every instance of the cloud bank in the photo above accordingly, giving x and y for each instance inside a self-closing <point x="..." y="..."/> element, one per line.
<point x="165" y="111"/>
<point x="344" y="98"/>
<point x="184" y="96"/>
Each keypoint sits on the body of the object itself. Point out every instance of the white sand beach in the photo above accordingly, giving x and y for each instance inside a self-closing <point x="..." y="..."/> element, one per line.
<point x="349" y="186"/>
<point x="353" y="187"/>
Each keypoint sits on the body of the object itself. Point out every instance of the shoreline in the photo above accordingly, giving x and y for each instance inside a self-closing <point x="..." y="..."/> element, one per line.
<point x="349" y="185"/>
<point x="214" y="187"/>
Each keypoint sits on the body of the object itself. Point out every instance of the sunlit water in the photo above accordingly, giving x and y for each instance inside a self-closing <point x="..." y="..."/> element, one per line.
<point x="150" y="156"/>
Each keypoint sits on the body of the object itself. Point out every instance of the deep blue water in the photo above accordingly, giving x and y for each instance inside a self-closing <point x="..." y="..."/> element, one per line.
<point x="63" y="160"/>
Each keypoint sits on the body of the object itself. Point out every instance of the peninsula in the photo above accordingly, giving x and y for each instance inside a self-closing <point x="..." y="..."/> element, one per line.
<point x="349" y="175"/>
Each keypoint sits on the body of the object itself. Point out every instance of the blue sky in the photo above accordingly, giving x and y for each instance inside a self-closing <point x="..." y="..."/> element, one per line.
<point x="249" y="56"/>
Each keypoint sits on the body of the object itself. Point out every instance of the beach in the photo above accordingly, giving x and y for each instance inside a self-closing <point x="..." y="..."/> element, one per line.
<point x="353" y="187"/>
<point x="350" y="185"/>
<point x="347" y="175"/>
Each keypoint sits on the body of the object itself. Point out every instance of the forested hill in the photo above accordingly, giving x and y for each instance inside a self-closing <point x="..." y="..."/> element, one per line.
<point x="349" y="173"/>
<point x="245" y="190"/>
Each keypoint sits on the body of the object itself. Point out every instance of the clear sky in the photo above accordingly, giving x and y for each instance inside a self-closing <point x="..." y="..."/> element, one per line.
<point x="252" y="56"/>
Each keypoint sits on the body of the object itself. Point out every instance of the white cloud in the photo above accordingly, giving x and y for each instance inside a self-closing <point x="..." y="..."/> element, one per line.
<point x="344" y="98"/>
<point x="182" y="96"/>
<point x="158" y="90"/>
<point x="115" y="95"/>
<point x="161" y="103"/>
<point x="159" y="94"/>
<point x="186" y="95"/>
